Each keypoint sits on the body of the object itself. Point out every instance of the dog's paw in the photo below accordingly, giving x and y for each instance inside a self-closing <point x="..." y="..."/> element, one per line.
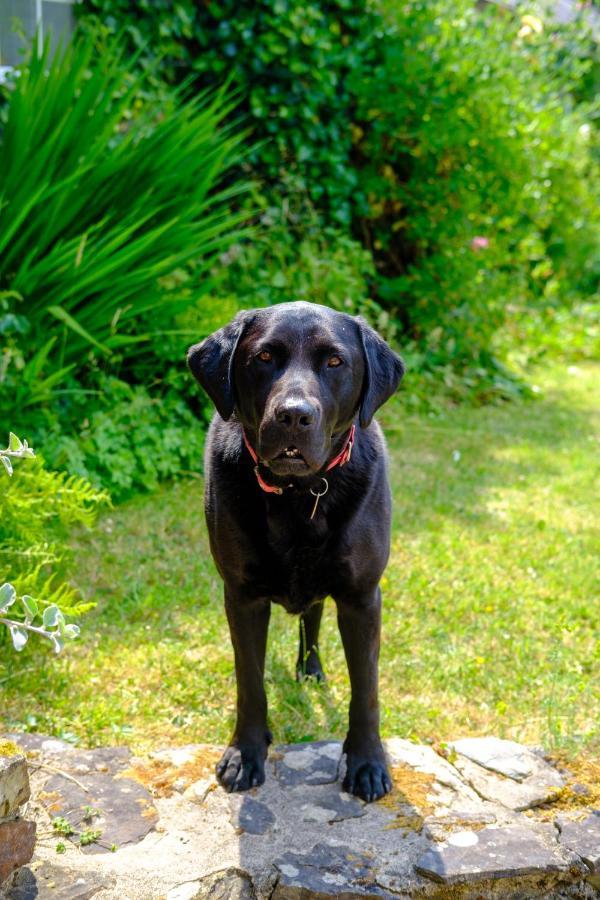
<point x="366" y="778"/>
<point x="310" y="668"/>
<point x="242" y="767"/>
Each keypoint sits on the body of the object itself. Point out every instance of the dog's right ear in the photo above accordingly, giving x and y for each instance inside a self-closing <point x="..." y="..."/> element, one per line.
<point x="211" y="362"/>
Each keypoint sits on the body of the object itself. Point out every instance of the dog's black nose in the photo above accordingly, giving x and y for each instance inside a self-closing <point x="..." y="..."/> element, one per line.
<point x="296" y="414"/>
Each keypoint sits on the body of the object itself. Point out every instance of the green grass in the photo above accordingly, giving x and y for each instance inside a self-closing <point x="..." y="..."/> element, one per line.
<point x="491" y="605"/>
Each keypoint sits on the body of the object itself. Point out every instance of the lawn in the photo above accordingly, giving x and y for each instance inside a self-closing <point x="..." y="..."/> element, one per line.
<point x="490" y="598"/>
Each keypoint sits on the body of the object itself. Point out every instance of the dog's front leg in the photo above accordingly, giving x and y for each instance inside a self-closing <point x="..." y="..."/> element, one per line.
<point x="242" y="766"/>
<point x="359" y="622"/>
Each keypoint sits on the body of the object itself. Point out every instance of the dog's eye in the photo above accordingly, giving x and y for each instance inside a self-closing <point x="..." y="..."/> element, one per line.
<point x="265" y="356"/>
<point x="334" y="361"/>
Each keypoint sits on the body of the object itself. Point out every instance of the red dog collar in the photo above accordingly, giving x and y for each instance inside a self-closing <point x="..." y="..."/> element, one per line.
<point x="340" y="460"/>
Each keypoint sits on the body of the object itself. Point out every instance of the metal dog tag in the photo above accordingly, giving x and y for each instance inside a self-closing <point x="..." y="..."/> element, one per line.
<point x="317" y="495"/>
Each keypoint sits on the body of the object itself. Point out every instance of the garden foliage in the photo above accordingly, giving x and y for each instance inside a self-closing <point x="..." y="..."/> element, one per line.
<point x="431" y="166"/>
<point x="34" y="505"/>
<point x="456" y="144"/>
<point x="479" y="189"/>
<point x="102" y="196"/>
<point x="290" y="60"/>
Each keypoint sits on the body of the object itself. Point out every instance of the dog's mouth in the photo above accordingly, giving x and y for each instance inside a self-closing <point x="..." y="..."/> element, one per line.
<point x="288" y="460"/>
<point x="290" y="453"/>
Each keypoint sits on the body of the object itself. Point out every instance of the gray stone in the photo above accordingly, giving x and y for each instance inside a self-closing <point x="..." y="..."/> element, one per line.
<point x="186" y="891"/>
<point x="315" y="763"/>
<point x="14" y="784"/>
<point x="583" y="838"/>
<point x="439" y="827"/>
<point x="327" y="871"/>
<point x="126" y="811"/>
<point x="105" y="760"/>
<point x="199" y="790"/>
<point x="448" y="790"/>
<point x="503" y="757"/>
<point x="178" y="756"/>
<point x="509" y="852"/>
<point x="227" y="884"/>
<point x="252" y="816"/>
<point x="297" y="836"/>
<point x="56" y="882"/>
<point x="40" y="743"/>
<point x="332" y="806"/>
<point x="533" y="790"/>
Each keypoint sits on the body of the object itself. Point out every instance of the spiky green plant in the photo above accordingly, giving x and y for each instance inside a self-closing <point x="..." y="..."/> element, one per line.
<point x="103" y="195"/>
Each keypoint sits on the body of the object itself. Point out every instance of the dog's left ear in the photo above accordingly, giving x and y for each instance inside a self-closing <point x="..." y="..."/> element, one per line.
<point x="383" y="372"/>
<point x="211" y="362"/>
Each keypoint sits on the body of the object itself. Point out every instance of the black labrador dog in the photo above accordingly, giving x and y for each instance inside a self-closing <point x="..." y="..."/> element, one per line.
<point x="298" y="508"/>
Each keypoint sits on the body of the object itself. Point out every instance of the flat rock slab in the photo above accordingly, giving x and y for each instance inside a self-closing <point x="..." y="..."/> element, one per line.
<point x="541" y="785"/>
<point x="316" y="763"/>
<point x="503" y="757"/>
<point x="227" y="884"/>
<point x="327" y="871"/>
<point x="57" y="882"/>
<point x="447" y="789"/>
<point x="492" y="853"/>
<point x="583" y="838"/>
<point x="297" y="837"/>
<point x="106" y="760"/>
<point x="123" y="808"/>
<point x="251" y="815"/>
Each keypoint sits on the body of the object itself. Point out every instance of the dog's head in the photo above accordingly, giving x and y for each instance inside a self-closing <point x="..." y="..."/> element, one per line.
<point x="297" y="374"/>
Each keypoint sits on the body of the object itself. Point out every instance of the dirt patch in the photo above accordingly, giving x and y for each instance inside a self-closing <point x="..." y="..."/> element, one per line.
<point x="160" y="776"/>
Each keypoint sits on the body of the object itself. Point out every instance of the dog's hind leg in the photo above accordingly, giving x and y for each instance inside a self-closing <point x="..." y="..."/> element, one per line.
<point x="308" y="664"/>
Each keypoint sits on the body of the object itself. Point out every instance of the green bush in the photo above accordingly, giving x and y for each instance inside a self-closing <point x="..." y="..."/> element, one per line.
<point x="129" y="440"/>
<point x="290" y="60"/>
<point x="102" y="197"/>
<point x="294" y="256"/>
<point x="479" y="188"/>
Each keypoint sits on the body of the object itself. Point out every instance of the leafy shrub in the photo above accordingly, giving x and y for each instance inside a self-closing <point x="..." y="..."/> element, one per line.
<point x="31" y="506"/>
<point x="290" y="60"/>
<point x="129" y="440"/>
<point x="101" y="197"/>
<point x="479" y="188"/>
<point x="292" y="256"/>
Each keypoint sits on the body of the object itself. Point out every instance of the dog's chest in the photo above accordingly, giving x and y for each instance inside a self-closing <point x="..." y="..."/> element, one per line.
<point x="301" y="561"/>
